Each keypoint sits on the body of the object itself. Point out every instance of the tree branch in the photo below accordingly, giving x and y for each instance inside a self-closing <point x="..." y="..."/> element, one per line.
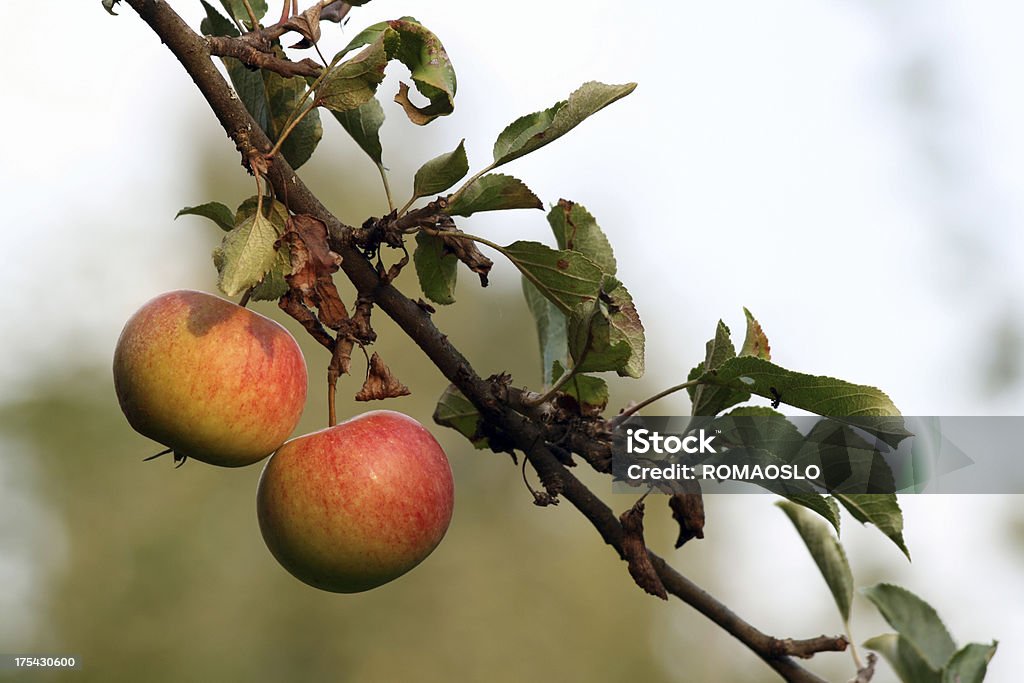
<point x="244" y="51"/>
<point x="193" y="53"/>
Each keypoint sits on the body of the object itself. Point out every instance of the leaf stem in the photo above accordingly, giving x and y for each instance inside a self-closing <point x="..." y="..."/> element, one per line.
<point x="387" y="190"/>
<point x="405" y="207"/>
<point x="291" y="126"/>
<point x="853" y="647"/>
<point x="556" y="387"/>
<point x="252" y="15"/>
<point x="497" y="247"/>
<point x="466" y="185"/>
<point x="628" y="412"/>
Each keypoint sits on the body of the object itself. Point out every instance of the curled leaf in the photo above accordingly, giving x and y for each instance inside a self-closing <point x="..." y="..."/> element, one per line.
<point x="634" y="551"/>
<point x="380" y="383"/>
<point x="688" y="511"/>
<point x="466" y="251"/>
<point x="307" y="25"/>
<point x="351" y="84"/>
<point x="424" y="55"/>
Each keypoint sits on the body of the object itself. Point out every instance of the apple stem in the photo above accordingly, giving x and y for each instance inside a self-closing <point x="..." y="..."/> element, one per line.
<point x="244" y="301"/>
<point x="332" y="390"/>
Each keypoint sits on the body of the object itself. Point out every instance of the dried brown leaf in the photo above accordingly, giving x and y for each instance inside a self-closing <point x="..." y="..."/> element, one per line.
<point x="688" y="511"/>
<point x="634" y="550"/>
<point x="380" y="383"/>
<point x="466" y="251"/>
<point x="307" y="24"/>
<point x="414" y="113"/>
<point x="313" y="264"/>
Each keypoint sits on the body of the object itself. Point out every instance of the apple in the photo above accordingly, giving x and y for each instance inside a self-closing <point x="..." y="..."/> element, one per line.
<point x="357" y="505"/>
<point x="209" y="379"/>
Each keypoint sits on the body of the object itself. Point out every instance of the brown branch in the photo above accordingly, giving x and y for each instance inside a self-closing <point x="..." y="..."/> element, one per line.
<point x="246" y="51"/>
<point x="806" y="649"/>
<point x="192" y="52"/>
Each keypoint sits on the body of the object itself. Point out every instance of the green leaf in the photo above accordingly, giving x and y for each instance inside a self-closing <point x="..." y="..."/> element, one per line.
<point x="592" y="345"/>
<point x="493" y="192"/>
<point x="880" y="509"/>
<point x="273" y="285"/>
<point x="589" y="392"/>
<point x="216" y="24"/>
<point x="533" y="131"/>
<point x="915" y="620"/>
<point x="565" y="278"/>
<point x="797" y="491"/>
<point x="760" y="425"/>
<point x="353" y="83"/>
<point x="425" y="56"/>
<point x="436" y="268"/>
<point x="551" y="331"/>
<point x="247" y="253"/>
<point x="236" y="9"/>
<point x="756" y="342"/>
<point x="109" y="6"/>
<point x="904" y="659"/>
<point x="779" y="436"/>
<point x="626" y="327"/>
<point x="606" y="334"/>
<point x="440" y="173"/>
<point x="455" y="410"/>
<point x="828" y="554"/>
<point x="848" y="462"/>
<point x="969" y="664"/>
<point x="817" y="394"/>
<point x="271" y="99"/>
<point x="363" y="124"/>
<point x="708" y="400"/>
<point x="824" y="506"/>
<point x="215" y="211"/>
<point x="576" y="229"/>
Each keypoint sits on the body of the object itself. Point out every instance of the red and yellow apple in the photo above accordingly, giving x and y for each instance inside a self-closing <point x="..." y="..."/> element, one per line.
<point x="351" y="507"/>
<point x="209" y="379"/>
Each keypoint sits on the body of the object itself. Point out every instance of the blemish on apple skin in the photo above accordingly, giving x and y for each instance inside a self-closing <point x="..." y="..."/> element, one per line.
<point x="201" y="316"/>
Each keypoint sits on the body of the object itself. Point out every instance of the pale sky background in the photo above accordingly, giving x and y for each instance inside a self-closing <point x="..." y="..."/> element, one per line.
<point x="849" y="171"/>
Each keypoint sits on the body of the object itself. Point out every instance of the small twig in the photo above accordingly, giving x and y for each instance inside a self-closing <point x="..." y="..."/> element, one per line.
<point x="244" y="301"/>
